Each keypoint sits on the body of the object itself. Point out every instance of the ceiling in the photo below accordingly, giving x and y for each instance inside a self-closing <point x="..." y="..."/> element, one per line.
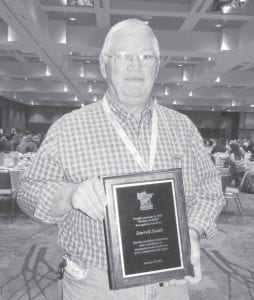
<point x="49" y="51"/>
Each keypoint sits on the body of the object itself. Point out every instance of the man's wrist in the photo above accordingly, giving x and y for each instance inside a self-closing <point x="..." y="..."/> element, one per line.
<point x="62" y="202"/>
<point x="195" y="233"/>
<point x="72" y="190"/>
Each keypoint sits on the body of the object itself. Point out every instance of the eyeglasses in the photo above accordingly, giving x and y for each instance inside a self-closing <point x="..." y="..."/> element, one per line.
<point x="145" y="60"/>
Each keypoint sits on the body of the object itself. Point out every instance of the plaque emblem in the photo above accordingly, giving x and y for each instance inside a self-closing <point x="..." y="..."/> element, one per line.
<point x="145" y="200"/>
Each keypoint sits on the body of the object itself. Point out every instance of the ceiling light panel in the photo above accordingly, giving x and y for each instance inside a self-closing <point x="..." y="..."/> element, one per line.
<point x="247" y="9"/>
<point x="212" y="25"/>
<point x="157" y="23"/>
<point x="160" y="1"/>
<point x="81" y="19"/>
<point x="166" y="23"/>
<point x="87" y="3"/>
<point x="7" y="58"/>
<point x="33" y="59"/>
<point x="83" y="59"/>
<point x="187" y="59"/>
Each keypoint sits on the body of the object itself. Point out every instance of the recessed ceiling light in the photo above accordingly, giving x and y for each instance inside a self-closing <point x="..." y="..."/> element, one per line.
<point x="72" y="19"/>
<point x="88" y="61"/>
<point x="147" y="19"/>
<point x="180" y="65"/>
<point x="209" y="58"/>
<point x="252" y="105"/>
<point x="48" y="73"/>
<point x="218" y="25"/>
<point x="90" y="89"/>
<point x="226" y="9"/>
<point x="166" y="90"/>
<point x="174" y="102"/>
<point x="190" y="93"/>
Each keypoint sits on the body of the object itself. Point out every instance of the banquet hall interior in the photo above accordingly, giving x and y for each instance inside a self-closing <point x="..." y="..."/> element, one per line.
<point x="49" y="66"/>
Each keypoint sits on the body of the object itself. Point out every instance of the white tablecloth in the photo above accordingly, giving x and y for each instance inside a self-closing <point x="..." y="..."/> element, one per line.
<point x="16" y="175"/>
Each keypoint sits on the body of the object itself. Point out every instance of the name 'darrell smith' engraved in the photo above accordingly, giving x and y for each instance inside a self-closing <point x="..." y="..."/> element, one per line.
<point x="149" y="231"/>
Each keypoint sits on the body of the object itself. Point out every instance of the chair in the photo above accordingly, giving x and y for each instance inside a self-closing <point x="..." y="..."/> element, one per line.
<point x="231" y="193"/>
<point x="6" y="190"/>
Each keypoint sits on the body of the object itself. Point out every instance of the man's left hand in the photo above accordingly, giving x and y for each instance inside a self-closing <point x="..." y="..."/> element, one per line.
<point x="195" y="261"/>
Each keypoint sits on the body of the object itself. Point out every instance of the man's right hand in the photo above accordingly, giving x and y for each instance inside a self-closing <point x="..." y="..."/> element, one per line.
<point x="90" y="198"/>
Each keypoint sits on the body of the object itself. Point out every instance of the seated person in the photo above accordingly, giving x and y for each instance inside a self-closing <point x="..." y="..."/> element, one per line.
<point x="17" y="138"/>
<point x="27" y="145"/>
<point x="220" y="146"/>
<point x="235" y="160"/>
<point x="217" y="152"/>
<point x="8" y="144"/>
<point x="5" y="145"/>
<point x="2" y="146"/>
<point x="251" y="149"/>
<point x="36" y="140"/>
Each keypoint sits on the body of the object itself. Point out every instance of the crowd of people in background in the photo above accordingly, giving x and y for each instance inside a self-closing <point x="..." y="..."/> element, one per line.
<point x="22" y="142"/>
<point x="231" y="154"/>
<point x="231" y="150"/>
<point x="222" y="145"/>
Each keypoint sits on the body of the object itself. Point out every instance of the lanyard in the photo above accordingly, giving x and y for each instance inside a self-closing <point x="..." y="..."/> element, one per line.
<point x="128" y="143"/>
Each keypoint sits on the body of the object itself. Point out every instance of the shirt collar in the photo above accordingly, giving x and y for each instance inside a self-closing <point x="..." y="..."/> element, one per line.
<point x="124" y="115"/>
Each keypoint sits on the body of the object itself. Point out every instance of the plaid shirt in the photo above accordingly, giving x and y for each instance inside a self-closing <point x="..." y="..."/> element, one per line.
<point x="83" y="144"/>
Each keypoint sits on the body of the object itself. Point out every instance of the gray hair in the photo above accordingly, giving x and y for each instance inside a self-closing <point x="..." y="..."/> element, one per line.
<point x="137" y="24"/>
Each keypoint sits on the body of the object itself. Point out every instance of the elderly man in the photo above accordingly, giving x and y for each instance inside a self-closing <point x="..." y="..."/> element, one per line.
<point x="126" y="132"/>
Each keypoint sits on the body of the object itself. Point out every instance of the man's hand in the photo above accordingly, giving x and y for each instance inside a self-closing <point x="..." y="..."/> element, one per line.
<point x="90" y="198"/>
<point x="195" y="261"/>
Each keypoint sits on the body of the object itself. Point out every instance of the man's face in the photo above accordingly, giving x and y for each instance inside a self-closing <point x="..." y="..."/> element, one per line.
<point x="130" y="83"/>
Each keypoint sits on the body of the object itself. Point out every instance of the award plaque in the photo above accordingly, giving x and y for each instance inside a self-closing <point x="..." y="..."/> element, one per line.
<point x="146" y="228"/>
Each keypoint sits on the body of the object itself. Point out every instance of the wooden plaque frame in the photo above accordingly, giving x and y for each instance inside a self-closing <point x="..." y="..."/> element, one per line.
<point x="146" y="228"/>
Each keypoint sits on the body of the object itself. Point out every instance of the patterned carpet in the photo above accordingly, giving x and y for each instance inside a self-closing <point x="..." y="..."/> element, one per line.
<point x="29" y="258"/>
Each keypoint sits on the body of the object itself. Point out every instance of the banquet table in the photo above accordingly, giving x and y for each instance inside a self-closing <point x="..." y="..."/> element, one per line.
<point x="15" y="163"/>
<point x="16" y="176"/>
